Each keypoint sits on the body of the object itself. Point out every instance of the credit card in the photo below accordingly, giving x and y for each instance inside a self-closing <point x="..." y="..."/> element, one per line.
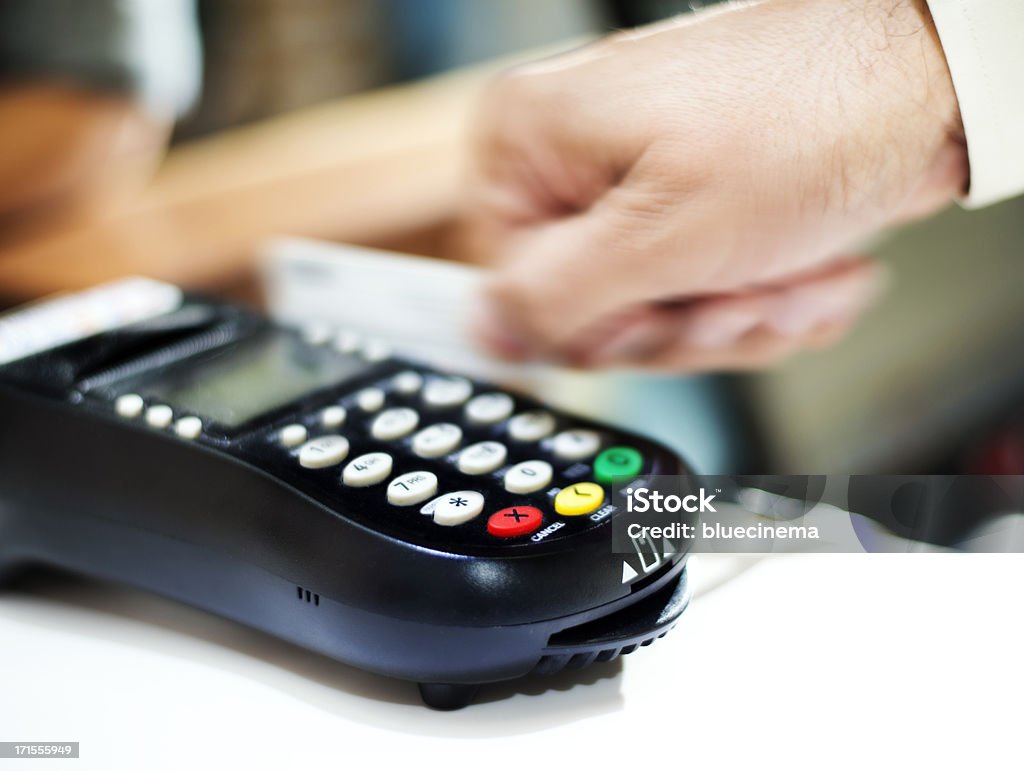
<point x="420" y="306"/>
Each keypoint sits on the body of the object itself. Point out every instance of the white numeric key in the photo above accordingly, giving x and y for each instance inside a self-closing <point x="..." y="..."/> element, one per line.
<point x="410" y="488"/>
<point x="437" y="440"/>
<point x="576" y="444"/>
<point x="489" y="408"/>
<point x="482" y="457"/>
<point x="531" y="426"/>
<point x="528" y="476"/>
<point x="394" y="423"/>
<point x="324" y="451"/>
<point x="447" y="391"/>
<point x="368" y="469"/>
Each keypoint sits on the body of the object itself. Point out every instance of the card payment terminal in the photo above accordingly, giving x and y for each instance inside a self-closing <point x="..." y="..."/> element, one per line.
<point x="411" y="522"/>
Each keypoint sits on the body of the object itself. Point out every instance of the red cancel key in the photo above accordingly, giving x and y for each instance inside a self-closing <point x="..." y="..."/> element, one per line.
<point x="513" y="521"/>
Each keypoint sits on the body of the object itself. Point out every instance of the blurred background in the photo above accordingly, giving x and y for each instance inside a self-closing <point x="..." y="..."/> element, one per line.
<point x="168" y="138"/>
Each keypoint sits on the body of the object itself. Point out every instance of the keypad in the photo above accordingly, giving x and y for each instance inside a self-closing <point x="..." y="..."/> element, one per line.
<point x="439" y="449"/>
<point x="501" y="450"/>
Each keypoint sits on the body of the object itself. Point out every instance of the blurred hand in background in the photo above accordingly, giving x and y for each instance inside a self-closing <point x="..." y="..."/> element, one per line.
<point x="88" y="95"/>
<point x="683" y="196"/>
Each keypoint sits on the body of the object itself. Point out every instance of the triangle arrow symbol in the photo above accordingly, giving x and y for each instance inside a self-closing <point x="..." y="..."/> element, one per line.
<point x="628" y="574"/>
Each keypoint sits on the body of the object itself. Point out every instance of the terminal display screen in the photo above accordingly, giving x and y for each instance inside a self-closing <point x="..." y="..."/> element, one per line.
<point x="253" y="378"/>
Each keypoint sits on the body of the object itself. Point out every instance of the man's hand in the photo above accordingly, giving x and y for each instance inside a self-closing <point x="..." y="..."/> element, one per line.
<point x="682" y="197"/>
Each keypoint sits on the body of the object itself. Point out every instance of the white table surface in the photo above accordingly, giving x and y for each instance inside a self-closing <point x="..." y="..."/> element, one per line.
<point x="879" y="661"/>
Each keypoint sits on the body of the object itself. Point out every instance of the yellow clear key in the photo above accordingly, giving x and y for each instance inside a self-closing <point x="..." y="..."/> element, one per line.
<point x="578" y="499"/>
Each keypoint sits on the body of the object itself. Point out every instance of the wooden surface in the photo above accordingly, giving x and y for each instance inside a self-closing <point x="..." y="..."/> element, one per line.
<point x="380" y="168"/>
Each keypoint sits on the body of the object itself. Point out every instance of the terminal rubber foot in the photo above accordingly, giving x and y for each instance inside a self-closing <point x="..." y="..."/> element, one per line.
<point x="446" y="696"/>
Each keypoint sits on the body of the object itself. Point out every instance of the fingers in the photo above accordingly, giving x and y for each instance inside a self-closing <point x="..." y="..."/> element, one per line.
<point x="758" y="349"/>
<point x="557" y="279"/>
<point x="752" y="330"/>
<point x="564" y="278"/>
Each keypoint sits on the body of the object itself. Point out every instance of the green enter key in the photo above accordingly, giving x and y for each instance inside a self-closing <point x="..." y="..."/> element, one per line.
<point x="617" y="462"/>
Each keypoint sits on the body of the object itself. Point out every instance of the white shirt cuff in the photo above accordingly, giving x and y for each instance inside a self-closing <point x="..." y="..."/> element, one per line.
<point x="984" y="45"/>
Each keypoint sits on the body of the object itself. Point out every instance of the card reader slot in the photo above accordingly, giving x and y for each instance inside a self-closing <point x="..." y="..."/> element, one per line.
<point x="618" y="633"/>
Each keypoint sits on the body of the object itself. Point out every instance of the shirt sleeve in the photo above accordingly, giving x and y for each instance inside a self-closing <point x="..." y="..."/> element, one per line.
<point x="984" y="45"/>
<point x="148" y="48"/>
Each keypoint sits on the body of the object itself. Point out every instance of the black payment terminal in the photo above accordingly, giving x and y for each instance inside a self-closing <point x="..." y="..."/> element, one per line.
<point x="408" y="521"/>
